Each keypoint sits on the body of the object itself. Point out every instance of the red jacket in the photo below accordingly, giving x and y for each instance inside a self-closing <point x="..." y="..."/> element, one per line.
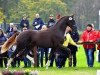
<point x="98" y="37"/>
<point x="87" y="36"/>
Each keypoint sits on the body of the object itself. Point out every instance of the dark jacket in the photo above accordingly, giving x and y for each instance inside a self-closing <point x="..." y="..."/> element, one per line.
<point x="51" y="22"/>
<point x="9" y="29"/>
<point x="24" y="22"/>
<point x="38" y="22"/>
<point x="74" y="36"/>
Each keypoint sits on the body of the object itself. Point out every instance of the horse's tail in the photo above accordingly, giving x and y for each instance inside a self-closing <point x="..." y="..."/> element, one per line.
<point x="11" y="41"/>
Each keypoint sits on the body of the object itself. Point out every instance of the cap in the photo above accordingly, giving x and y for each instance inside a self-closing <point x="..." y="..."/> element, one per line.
<point x="90" y="25"/>
<point x="51" y="15"/>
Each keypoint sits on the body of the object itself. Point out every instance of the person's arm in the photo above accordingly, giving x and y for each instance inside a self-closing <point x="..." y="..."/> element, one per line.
<point x="41" y="22"/>
<point x="69" y="40"/>
<point x="21" y="23"/>
<point x="76" y="37"/>
<point x="34" y="22"/>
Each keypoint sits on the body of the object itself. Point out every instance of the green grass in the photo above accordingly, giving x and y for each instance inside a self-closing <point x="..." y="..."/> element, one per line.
<point x="81" y="68"/>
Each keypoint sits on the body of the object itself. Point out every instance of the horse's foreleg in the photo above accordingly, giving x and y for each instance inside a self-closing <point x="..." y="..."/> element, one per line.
<point x="9" y="62"/>
<point x="47" y="64"/>
<point x="50" y="56"/>
<point x="30" y="58"/>
<point x="12" y="57"/>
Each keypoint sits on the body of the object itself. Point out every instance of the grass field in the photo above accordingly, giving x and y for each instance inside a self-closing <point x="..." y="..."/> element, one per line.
<point x="81" y="68"/>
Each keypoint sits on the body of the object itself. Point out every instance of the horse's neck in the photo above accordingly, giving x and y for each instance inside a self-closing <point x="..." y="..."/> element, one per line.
<point x="61" y="27"/>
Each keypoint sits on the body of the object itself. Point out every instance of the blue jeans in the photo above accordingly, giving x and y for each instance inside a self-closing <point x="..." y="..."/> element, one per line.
<point x="90" y="56"/>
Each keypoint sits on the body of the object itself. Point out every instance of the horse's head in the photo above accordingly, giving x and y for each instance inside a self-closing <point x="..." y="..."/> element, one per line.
<point x="71" y="22"/>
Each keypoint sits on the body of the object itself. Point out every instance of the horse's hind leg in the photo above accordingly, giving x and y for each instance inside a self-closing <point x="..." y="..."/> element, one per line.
<point x="50" y="57"/>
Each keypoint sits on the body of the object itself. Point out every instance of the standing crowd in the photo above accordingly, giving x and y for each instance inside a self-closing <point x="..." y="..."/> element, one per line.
<point x="59" y="56"/>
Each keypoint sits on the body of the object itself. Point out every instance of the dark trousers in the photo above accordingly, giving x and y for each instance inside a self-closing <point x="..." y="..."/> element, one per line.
<point x="61" y="56"/>
<point x="73" y="53"/>
<point x="52" y="57"/>
<point x="74" y="58"/>
<point x="27" y="62"/>
<point x="3" y="60"/>
<point x="44" y="50"/>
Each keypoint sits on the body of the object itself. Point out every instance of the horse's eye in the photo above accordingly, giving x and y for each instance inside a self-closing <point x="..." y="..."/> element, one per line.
<point x="70" y="18"/>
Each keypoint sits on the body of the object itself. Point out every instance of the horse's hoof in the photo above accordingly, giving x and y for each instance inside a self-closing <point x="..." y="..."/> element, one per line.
<point x="46" y="66"/>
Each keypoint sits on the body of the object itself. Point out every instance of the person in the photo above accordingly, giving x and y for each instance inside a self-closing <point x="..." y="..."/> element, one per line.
<point x="98" y="47"/>
<point x="43" y="50"/>
<point x="3" y="57"/>
<point x="38" y="23"/>
<point x="10" y="28"/>
<point x="62" y="58"/>
<point x="58" y="17"/>
<point x="12" y="49"/>
<point x="24" y="22"/>
<point x="27" y="62"/>
<point x="75" y="37"/>
<point x="51" y="21"/>
<point x="89" y="35"/>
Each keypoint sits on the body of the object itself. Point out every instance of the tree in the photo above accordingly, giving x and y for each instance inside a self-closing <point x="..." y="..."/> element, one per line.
<point x="31" y="7"/>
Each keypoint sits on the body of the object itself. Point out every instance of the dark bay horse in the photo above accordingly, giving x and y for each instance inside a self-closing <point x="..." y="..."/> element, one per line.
<point x="51" y="38"/>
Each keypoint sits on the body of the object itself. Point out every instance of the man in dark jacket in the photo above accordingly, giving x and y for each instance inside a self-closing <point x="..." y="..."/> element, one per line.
<point x="24" y="22"/>
<point x="51" y="21"/>
<point x="75" y="37"/>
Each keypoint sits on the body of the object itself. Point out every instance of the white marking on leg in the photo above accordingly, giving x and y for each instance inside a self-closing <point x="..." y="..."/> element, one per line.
<point x="48" y="62"/>
<point x="30" y="58"/>
<point x="9" y="62"/>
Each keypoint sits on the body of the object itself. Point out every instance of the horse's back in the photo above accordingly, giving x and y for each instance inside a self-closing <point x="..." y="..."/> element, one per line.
<point x="26" y="36"/>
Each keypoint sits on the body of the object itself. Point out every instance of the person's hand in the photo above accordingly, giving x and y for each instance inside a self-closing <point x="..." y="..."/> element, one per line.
<point x="77" y="46"/>
<point x="80" y="41"/>
<point x="25" y="24"/>
<point x="90" y="41"/>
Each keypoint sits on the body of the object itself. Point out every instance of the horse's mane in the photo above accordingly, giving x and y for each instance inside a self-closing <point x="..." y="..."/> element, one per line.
<point x="60" y="19"/>
<point x="11" y="41"/>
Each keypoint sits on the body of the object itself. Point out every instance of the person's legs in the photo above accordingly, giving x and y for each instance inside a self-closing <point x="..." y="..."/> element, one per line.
<point x="25" y="62"/>
<point x="74" y="59"/>
<point x="46" y="54"/>
<point x="1" y="62"/>
<point x="42" y="54"/>
<point x="28" y="63"/>
<point x="5" y="62"/>
<point x="87" y="58"/>
<point x="90" y="55"/>
<point x="51" y="57"/>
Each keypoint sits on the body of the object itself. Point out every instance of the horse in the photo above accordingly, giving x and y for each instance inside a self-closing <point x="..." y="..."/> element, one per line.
<point x="51" y="38"/>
